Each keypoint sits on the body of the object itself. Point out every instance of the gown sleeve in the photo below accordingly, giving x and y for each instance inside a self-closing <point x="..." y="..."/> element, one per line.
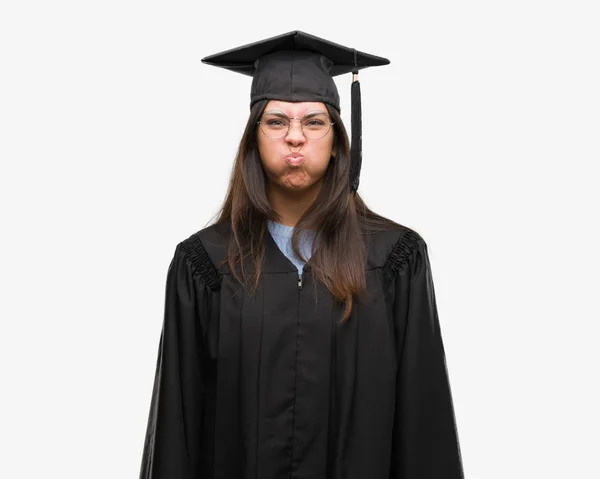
<point x="425" y="436"/>
<point x="174" y="430"/>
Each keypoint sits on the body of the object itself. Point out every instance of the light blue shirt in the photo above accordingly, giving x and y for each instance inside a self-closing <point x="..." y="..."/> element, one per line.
<point x="282" y="234"/>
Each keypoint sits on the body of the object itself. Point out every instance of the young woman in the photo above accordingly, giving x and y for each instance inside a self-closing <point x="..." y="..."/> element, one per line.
<point x="301" y="337"/>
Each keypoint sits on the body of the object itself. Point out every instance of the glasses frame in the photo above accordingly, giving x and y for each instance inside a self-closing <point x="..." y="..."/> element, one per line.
<point x="287" y="132"/>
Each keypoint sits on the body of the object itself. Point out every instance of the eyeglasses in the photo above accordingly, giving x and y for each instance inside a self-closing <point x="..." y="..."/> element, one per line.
<point x="276" y="124"/>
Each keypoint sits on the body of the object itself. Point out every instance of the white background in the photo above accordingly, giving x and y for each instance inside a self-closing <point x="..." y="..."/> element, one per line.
<point x="116" y="143"/>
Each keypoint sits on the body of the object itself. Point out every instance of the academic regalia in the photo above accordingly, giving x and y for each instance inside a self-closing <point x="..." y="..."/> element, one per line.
<point x="273" y="385"/>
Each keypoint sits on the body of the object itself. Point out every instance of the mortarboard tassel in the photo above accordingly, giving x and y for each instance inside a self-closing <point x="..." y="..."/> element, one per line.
<point x="356" y="141"/>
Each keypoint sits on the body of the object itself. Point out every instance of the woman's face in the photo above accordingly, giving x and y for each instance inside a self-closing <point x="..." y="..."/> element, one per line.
<point x="295" y="162"/>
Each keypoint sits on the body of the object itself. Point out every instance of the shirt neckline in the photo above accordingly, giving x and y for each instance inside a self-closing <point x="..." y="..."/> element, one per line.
<point x="279" y="229"/>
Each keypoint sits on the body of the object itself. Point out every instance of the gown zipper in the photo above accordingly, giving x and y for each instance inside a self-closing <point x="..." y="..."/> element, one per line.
<point x="301" y="277"/>
<point x="300" y="281"/>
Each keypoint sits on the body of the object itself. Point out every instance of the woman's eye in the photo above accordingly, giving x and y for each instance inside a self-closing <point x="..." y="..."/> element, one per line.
<point x="275" y="123"/>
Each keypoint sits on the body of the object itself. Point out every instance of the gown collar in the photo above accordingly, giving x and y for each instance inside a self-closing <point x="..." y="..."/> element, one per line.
<point x="275" y="260"/>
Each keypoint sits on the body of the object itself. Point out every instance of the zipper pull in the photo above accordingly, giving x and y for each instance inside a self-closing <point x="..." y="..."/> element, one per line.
<point x="300" y="281"/>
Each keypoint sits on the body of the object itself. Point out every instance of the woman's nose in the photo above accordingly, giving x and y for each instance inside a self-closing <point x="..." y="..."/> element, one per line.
<point x="295" y="134"/>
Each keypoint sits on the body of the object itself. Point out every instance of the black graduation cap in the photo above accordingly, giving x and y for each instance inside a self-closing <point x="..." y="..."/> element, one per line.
<point x="297" y="66"/>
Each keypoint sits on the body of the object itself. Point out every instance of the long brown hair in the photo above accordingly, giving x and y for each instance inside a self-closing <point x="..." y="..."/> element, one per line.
<point x="340" y="219"/>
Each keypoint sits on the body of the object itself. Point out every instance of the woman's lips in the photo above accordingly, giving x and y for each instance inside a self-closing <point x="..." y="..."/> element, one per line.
<point x="294" y="160"/>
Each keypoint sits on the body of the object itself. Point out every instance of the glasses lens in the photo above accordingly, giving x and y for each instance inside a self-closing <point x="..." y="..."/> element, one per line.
<point x="274" y="126"/>
<point x="316" y="126"/>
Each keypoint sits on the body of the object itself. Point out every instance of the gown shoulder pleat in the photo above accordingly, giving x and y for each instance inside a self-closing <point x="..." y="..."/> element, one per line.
<point x="402" y="251"/>
<point x="201" y="263"/>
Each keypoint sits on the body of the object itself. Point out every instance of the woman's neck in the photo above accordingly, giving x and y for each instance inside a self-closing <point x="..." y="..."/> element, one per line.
<point x="291" y="205"/>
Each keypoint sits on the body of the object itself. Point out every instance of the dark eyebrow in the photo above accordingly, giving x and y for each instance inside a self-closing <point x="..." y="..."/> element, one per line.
<point x="276" y="113"/>
<point x="315" y="113"/>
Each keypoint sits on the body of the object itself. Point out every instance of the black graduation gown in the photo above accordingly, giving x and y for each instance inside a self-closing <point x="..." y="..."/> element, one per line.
<point x="273" y="386"/>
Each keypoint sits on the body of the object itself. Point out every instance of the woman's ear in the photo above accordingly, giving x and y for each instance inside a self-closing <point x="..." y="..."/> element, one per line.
<point x="333" y="152"/>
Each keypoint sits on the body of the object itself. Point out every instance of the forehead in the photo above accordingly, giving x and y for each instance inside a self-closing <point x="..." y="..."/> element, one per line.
<point x="296" y="109"/>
